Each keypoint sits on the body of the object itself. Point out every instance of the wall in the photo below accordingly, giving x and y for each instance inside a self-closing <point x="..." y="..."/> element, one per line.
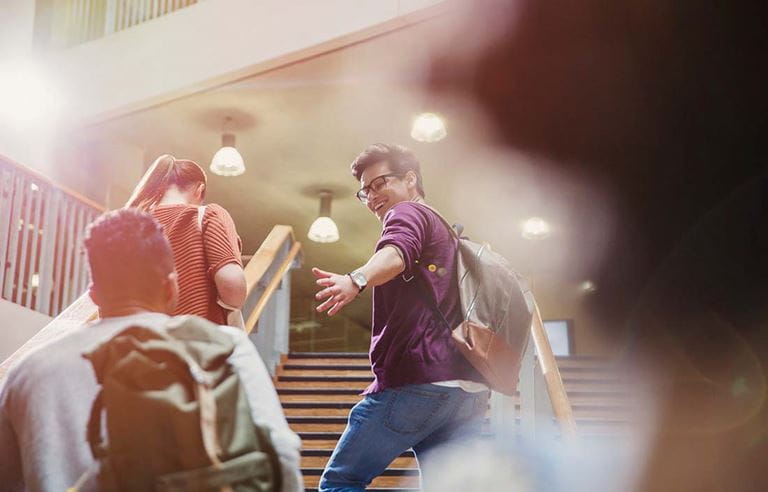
<point x="561" y="299"/>
<point x="19" y="324"/>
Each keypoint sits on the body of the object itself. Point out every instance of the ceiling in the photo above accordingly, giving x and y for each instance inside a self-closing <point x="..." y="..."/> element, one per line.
<point x="299" y="127"/>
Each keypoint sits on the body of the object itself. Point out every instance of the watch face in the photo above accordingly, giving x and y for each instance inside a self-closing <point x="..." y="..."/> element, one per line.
<point x="359" y="279"/>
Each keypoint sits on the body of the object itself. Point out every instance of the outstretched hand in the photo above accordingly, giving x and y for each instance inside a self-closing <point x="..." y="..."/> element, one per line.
<point x="338" y="291"/>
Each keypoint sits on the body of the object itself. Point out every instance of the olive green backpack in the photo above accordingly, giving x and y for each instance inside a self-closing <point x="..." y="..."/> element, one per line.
<point x="175" y="413"/>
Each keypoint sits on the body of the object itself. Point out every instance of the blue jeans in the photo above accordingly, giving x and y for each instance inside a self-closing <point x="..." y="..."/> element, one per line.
<point x="385" y="424"/>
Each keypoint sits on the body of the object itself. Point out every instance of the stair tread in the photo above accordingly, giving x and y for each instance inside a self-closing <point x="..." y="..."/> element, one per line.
<point x="307" y="378"/>
<point x="377" y="489"/>
<point x="389" y="472"/>
<point x="385" y="482"/>
<point x="340" y="370"/>
<point x="343" y="388"/>
<point x="322" y="460"/>
<point x="327" y="452"/>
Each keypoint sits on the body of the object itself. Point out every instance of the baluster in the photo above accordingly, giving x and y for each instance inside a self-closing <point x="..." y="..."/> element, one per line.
<point x="86" y="10"/>
<point x="28" y="196"/>
<point x="77" y="288"/>
<point x="66" y="285"/>
<point x="13" y="238"/>
<point x="77" y="19"/>
<point x="110" y="17"/>
<point x="6" y="201"/>
<point x="120" y="19"/>
<point x="47" y="250"/>
<point x="36" y="240"/>
<point x="59" y="254"/>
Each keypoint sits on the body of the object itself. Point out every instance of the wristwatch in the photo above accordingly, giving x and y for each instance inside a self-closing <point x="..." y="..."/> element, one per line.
<point x="358" y="278"/>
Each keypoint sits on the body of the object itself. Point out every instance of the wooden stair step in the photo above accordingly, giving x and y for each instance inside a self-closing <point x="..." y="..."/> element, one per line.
<point x="377" y="489"/>
<point x="328" y="355"/>
<point x="586" y="425"/>
<point x="325" y="373"/>
<point x="591" y="400"/>
<point x="303" y="397"/>
<point x="384" y="482"/>
<point x="327" y="453"/>
<point x="389" y="472"/>
<point x="330" y="368"/>
<point x="314" y="389"/>
<point x="328" y="444"/>
<point x="329" y="405"/>
<point x="353" y="387"/>
<point x="316" y="412"/>
<point x="329" y="361"/>
<point x="289" y="373"/>
<point x="321" y="461"/>
<point x="314" y="436"/>
<point x="579" y="412"/>
<point x="581" y="403"/>
<point x="367" y="379"/>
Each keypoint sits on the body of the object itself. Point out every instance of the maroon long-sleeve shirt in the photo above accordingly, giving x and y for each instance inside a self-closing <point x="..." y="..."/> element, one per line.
<point x="410" y="344"/>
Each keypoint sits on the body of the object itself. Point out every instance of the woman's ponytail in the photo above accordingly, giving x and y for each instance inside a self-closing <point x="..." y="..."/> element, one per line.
<point x="164" y="172"/>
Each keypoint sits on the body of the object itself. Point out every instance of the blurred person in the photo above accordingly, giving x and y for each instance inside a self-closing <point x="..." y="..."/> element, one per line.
<point x="660" y="105"/>
<point x="206" y="248"/>
<point x="47" y="396"/>
<point x="425" y="394"/>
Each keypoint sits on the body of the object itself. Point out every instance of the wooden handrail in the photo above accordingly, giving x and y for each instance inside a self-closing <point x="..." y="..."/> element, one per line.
<point x="265" y="255"/>
<point x="271" y="287"/>
<point x="37" y="175"/>
<point x="555" y="388"/>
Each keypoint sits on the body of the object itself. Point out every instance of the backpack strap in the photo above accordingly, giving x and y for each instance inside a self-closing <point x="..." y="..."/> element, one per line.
<point x="430" y="300"/>
<point x="95" y="439"/>
<point x="455" y="230"/>
<point x="200" y="217"/>
<point x="421" y="287"/>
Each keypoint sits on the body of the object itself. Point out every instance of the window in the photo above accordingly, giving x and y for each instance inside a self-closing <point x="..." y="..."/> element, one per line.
<point x="560" y="334"/>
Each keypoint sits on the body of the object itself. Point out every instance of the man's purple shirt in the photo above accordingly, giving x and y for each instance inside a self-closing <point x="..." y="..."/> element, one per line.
<point x="410" y="344"/>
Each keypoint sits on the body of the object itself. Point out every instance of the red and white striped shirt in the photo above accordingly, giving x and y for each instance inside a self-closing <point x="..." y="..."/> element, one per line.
<point x="198" y="256"/>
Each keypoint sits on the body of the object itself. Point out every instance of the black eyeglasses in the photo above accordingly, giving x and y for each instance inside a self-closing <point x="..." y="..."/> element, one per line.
<point x="376" y="185"/>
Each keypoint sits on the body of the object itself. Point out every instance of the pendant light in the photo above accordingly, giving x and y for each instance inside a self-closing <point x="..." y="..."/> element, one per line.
<point x="227" y="161"/>
<point x="323" y="229"/>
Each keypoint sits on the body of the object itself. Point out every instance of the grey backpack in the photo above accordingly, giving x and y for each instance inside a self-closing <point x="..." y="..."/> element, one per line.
<point x="497" y="307"/>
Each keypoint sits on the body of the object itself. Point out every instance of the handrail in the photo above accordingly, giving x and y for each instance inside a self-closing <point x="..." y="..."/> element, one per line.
<point x="265" y="255"/>
<point x="45" y="179"/>
<point x="271" y="287"/>
<point x="561" y="405"/>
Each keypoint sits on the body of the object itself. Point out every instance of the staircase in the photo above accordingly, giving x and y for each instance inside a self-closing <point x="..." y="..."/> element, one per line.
<point x="317" y="391"/>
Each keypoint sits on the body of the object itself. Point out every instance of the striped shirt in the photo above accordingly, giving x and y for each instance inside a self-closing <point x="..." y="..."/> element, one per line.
<point x="199" y="256"/>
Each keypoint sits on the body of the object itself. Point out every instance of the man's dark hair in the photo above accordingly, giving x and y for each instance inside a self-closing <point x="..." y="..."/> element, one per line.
<point x="400" y="160"/>
<point x="128" y="254"/>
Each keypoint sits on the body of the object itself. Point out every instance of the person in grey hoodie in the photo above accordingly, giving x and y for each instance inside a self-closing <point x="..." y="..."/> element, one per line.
<point x="46" y="399"/>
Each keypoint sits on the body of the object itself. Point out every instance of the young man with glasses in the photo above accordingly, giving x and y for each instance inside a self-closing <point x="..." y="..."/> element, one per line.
<point x="424" y="394"/>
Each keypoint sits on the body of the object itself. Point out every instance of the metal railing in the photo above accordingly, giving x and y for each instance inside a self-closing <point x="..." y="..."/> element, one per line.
<point x="61" y="23"/>
<point x="41" y="237"/>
